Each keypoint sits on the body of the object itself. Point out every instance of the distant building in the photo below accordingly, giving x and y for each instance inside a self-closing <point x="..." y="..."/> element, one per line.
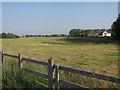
<point x="92" y="34"/>
<point x="21" y="36"/>
<point x="100" y="34"/>
<point x="104" y="34"/>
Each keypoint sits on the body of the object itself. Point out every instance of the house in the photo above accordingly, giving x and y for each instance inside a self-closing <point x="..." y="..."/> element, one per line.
<point x="21" y="36"/>
<point x="100" y="34"/>
<point x="93" y="34"/>
<point x="104" y="34"/>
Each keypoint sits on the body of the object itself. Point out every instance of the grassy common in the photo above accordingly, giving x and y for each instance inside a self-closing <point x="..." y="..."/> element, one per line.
<point x="99" y="55"/>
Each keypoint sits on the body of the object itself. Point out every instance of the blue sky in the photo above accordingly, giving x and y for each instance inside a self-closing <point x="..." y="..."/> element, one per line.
<point x="56" y="17"/>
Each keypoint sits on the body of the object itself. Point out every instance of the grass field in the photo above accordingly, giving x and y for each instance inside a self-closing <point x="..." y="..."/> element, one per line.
<point x="99" y="55"/>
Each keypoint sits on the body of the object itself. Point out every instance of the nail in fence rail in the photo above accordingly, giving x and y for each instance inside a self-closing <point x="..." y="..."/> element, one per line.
<point x="50" y="75"/>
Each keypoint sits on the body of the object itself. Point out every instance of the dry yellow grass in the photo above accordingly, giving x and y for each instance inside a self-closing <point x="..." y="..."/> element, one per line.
<point x="99" y="56"/>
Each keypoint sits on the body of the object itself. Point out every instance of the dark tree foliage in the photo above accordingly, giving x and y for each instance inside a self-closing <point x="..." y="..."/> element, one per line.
<point x="116" y="28"/>
<point x="8" y="35"/>
<point x="75" y="33"/>
<point x="83" y="33"/>
<point x="78" y="33"/>
<point x="53" y="35"/>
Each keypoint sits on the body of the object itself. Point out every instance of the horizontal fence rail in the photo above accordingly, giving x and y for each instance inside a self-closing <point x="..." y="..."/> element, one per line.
<point x="42" y="85"/>
<point x="72" y="85"/>
<point x="50" y="76"/>
<point x="90" y="74"/>
<point x="20" y="58"/>
<point x="10" y="55"/>
<point x="35" y="61"/>
<point x="36" y="72"/>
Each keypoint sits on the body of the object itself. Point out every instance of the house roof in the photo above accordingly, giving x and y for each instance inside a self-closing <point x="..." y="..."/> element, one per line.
<point x="106" y="31"/>
<point x="93" y="32"/>
<point x="99" y="32"/>
<point x="109" y="31"/>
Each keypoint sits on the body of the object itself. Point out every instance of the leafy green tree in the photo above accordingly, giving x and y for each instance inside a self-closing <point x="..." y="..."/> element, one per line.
<point x="54" y="35"/>
<point x="63" y="35"/>
<point x="75" y="33"/>
<point x="8" y="35"/>
<point x="4" y="35"/>
<point x="116" y="28"/>
<point x="78" y="33"/>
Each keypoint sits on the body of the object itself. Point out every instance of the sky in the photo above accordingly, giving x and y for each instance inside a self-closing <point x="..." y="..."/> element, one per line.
<point x="119" y="7"/>
<point x="60" y="0"/>
<point x="56" y="17"/>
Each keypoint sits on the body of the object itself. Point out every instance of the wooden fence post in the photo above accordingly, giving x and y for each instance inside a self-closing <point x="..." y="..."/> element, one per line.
<point x="50" y="73"/>
<point x="57" y="77"/>
<point x="20" y="62"/>
<point x="2" y="58"/>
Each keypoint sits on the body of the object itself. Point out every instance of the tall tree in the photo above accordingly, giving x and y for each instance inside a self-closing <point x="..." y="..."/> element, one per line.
<point x="116" y="28"/>
<point x="74" y="33"/>
<point x="8" y="35"/>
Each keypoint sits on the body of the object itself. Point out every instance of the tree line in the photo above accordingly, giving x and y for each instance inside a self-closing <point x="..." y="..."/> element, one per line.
<point x="72" y="33"/>
<point x="53" y="35"/>
<point x="8" y="35"/>
<point x="84" y="33"/>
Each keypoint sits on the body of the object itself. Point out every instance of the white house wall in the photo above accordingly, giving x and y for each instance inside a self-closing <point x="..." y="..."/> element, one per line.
<point x="108" y="34"/>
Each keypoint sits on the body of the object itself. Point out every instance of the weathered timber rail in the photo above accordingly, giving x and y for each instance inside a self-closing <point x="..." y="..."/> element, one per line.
<point x="51" y="78"/>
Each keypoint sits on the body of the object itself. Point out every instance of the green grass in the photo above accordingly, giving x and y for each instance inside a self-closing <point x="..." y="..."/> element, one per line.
<point x="99" y="55"/>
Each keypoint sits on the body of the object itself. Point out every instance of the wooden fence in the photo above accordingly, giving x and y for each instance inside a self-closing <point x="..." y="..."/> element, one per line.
<point x="51" y="78"/>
